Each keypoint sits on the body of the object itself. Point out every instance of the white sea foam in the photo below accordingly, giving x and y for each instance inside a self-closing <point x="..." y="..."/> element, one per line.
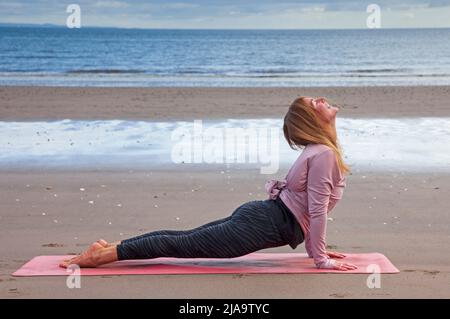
<point x="406" y="144"/>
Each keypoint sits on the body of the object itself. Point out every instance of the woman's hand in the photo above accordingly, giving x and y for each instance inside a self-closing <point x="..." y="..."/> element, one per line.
<point x="339" y="265"/>
<point x="335" y="254"/>
<point x="344" y="266"/>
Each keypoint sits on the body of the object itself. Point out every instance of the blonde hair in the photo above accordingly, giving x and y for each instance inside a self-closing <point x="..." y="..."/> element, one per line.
<point x="303" y="126"/>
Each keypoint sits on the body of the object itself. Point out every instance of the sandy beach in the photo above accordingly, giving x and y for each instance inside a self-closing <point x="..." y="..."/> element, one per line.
<point x="55" y="103"/>
<point x="54" y="212"/>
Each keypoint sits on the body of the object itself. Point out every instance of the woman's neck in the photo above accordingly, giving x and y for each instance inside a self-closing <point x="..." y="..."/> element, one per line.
<point x="331" y="129"/>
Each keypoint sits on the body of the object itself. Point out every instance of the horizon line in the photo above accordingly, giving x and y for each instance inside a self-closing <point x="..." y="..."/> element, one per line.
<point x="50" y="25"/>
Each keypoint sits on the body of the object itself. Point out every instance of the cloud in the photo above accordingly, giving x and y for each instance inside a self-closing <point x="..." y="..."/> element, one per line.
<point x="228" y="13"/>
<point x="110" y="4"/>
<point x="439" y="3"/>
<point x="409" y="15"/>
<point x="181" y="5"/>
<point x="314" y="9"/>
<point x="11" y="5"/>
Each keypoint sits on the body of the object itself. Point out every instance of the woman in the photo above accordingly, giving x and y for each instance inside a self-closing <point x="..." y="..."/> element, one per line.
<point x="296" y="210"/>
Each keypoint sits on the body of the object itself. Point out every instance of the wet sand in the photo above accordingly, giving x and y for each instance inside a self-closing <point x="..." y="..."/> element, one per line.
<point x="55" y="103"/>
<point x="402" y="215"/>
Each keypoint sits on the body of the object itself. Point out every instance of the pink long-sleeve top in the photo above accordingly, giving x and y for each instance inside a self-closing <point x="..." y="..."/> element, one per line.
<point x="311" y="189"/>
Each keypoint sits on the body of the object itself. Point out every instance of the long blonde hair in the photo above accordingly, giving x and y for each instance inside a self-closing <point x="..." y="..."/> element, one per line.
<point x="303" y="126"/>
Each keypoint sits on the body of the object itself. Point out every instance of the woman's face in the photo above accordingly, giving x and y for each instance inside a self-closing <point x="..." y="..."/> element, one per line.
<point x="326" y="111"/>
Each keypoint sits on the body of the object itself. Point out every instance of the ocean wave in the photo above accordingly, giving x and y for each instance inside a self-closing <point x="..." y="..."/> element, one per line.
<point x="274" y="71"/>
<point x="27" y="57"/>
<point x="104" y="71"/>
<point x="195" y="71"/>
<point x="381" y="70"/>
<point x="141" y="75"/>
<point x="73" y="143"/>
<point x="338" y="75"/>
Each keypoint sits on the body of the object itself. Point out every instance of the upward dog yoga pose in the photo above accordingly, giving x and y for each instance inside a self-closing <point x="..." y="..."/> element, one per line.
<point x="295" y="211"/>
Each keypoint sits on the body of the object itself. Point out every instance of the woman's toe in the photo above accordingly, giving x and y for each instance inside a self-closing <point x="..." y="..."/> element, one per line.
<point x="103" y="242"/>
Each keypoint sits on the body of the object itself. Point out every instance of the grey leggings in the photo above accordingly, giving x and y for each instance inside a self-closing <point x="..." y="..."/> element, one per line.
<point x="250" y="227"/>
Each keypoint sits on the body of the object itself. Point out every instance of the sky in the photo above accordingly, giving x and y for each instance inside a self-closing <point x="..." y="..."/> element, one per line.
<point x="233" y="14"/>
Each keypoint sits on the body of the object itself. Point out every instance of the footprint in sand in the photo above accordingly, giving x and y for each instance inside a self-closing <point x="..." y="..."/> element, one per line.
<point x="431" y="272"/>
<point x="52" y="245"/>
<point x="425" y="272"/>
<point x="9" y="279"/>
<point x="340" y="295"/>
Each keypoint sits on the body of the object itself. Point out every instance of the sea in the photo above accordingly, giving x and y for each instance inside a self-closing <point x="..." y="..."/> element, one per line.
<point x="110" y="57"/>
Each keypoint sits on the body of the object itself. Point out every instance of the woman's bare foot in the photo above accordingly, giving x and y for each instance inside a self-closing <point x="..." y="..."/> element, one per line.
<point x="86" y="259"/>
<point x="97" y="254"/>
<point x="105" y="244"/>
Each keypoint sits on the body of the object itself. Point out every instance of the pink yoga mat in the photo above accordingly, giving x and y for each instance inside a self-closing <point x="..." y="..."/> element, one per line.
<point x="255" y="263"/>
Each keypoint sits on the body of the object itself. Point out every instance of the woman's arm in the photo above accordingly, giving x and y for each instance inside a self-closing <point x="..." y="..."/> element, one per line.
<point x="319" y="187"/>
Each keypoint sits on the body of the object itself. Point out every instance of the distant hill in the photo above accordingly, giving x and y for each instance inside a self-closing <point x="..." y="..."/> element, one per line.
<point x="28" y="25"/>
<point x="50" y="25"/>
